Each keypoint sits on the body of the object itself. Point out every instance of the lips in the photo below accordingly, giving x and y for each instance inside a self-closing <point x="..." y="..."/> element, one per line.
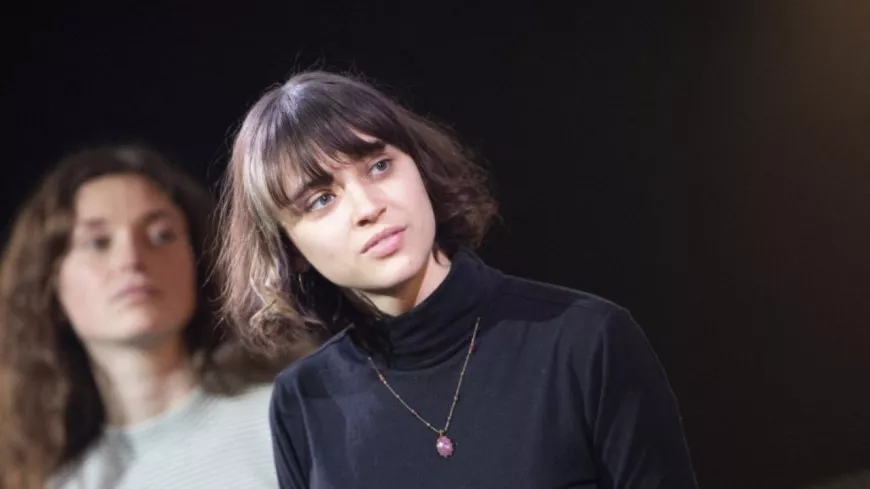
<point x="137" y="290"/>
<point x="377" y="238"/>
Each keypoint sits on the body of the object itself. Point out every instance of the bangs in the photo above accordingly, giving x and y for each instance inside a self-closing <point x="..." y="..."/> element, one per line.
<point x="307" y="138"/>
<point x="314" y="157"/>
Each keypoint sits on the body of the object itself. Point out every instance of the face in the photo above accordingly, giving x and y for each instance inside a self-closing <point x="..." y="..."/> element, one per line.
<point x="129" y="275"/>
<point x="371" y="228"/>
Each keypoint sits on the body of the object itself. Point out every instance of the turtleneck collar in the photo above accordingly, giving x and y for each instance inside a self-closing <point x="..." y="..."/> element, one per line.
<point x="434" y="330"/>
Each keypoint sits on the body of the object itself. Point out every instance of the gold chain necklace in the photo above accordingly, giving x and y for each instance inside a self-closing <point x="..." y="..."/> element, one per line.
<point x="443" y="445"/>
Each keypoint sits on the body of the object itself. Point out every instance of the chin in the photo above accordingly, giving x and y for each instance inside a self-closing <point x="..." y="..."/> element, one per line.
<point x="146" y="328"/>
<point x="138" y="338"/>
<point x="399" y="269"/>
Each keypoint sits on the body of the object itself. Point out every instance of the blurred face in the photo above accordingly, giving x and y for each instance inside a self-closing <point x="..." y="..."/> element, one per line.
<point x="129" y="275"/>
<point x="370" y="228"/>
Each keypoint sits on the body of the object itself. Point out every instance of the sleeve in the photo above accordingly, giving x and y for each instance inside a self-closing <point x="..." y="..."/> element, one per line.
<point x="288" y="465"/>
<point x="637" y="437"/>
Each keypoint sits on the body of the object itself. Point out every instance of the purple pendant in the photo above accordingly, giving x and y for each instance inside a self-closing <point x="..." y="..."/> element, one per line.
<point x="444" y="446"/>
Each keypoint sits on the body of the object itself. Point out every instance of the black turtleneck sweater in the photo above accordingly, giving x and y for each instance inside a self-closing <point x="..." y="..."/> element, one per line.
<point x="562" y="391"/>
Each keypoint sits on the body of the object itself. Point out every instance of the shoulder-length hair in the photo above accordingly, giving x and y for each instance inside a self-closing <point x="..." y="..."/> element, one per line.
<point x="291" y="130"/>
<point x="50" y="407"/>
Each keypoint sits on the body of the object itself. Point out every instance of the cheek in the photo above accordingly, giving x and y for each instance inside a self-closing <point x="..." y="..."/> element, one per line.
<point x="324" y="247"/>
<point x="80" y="293"/>
<point x="178" y="274"/>
<point x="416" y="196"/>
<point x="318" y="240"/>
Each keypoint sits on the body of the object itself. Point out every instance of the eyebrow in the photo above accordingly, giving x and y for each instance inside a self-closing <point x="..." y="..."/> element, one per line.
<point x="149" y="217"/>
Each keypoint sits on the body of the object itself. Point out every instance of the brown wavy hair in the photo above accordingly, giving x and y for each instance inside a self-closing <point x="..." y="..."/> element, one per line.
<point x="293" y="128"/>
<point x="50" y="408"/>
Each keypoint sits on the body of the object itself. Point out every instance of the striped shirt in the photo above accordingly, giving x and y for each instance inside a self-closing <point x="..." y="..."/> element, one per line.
<point x="209" y="442"/>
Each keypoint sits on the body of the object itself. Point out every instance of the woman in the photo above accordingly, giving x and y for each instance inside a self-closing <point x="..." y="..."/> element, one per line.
<point x="114" y="374"/>
<point x="345" y="212"/>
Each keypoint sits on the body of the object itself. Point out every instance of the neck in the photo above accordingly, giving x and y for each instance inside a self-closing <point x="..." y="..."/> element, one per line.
<point x="137" y="384"/>
<point x="438" y="327"/>
<point x="402" y="299"/>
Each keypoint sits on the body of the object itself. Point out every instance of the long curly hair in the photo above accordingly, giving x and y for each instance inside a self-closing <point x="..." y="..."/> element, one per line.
<point x="50" y="408"/>
<point x="289" y="131"/>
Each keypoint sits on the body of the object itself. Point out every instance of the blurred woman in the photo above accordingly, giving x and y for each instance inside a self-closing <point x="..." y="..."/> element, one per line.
<point x="113" y="372"/>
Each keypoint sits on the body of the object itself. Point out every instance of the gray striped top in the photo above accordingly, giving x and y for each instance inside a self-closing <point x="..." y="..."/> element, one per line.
<point x="209" y="442"/>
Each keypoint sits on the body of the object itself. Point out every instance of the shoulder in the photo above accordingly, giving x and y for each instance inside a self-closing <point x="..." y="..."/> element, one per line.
<point x="241" y="418"/>
<point x="305" y="376"/>
<point x="595" y="336"/>
<point x="581" y="321"/>
<point x="550" y="302"/>
<point x="253" y="399"/>
<point x="100" y="461"/>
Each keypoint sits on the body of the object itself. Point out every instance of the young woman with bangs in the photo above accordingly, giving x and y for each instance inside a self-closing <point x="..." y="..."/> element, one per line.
<point x="347" y="215"/>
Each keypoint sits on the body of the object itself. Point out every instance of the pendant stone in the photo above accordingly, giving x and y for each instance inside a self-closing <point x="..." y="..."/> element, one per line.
<point x="444" y="446"/>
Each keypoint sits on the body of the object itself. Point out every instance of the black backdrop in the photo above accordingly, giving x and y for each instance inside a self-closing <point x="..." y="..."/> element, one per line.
<point x="716" y="159"/>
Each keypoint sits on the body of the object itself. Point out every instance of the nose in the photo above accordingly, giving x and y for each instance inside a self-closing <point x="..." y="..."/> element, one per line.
<point x="368" y="203"/>
<point x="129" y="253"/>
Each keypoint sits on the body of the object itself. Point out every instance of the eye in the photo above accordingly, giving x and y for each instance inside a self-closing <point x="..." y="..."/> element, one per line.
<point x="320" y="201"/>
<point x="96" y="243"/>
<point x="162" y="236"/>
<point x="381" y="166"/>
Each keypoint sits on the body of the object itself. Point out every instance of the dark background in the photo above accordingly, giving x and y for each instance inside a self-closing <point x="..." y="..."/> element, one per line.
<point x="706" y="166"/>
